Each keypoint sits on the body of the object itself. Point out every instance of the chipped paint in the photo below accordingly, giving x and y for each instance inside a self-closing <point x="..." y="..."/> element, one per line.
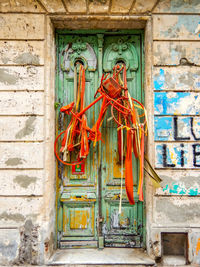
<point x="178" y="155"/>
<point x="172" y="27"/>
<point x="79" y="219"/>
<point x="175" y="51"/>
<point x="178" y="6"/>
<point x="176" y="128"/>
<point x="176" y="103"/>
<point x="179" y="188"/>
<point x="159" y="80"/>
<point x="9" y="246"/>
<point x="183" y="78"/>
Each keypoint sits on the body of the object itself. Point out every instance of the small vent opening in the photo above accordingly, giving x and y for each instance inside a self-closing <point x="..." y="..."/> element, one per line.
<point x="174" y="248"/>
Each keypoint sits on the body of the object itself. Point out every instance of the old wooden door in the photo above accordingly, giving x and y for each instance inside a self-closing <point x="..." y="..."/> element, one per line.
<point x="88" y="195"/>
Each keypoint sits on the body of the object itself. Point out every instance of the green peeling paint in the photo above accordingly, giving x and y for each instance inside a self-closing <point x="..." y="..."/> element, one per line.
<point x="78" y="204"/>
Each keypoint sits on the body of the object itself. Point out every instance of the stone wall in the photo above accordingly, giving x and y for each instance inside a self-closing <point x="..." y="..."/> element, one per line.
<point x="176" y="77"/>
<point x="27" y="66"/>
<point x="26" y="184"/>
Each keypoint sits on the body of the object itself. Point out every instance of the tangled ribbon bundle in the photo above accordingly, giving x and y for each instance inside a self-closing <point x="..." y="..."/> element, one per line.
<point x="128" y="113"/>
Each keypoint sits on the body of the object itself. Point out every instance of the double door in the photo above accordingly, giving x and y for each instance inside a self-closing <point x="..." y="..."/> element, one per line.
<point x="88" y="194"/>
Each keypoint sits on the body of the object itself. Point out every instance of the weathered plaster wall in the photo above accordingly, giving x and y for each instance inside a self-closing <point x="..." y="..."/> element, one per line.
<point x="176" y="83"/>
<point x="27" y="66"/>
<point x="27" y="196"/>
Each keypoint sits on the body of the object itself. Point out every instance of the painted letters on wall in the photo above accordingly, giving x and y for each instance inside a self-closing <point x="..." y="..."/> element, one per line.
<point x="176" y="123"/>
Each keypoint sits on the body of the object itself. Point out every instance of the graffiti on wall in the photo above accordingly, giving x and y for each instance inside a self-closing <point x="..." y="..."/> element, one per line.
<point x="177" y="125"/>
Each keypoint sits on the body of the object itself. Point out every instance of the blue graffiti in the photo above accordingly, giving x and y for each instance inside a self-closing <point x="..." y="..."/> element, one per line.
<point x="178" y="189"/>
<point x="166" y="188"/>
<point x="159" y="80"/>
<point x="163" y="128"/>
<point x="193" y="192"/>
<point x="174" y="189"/>
<point x="165" y="104"/>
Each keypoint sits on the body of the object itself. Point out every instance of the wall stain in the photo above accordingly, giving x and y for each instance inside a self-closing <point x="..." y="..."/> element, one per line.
<point x="176" y="213"/>
<point x="184" y="22"/>
<point x="7" y="78"/>
<point x="16" y="217"/>
<point x="13" y="161"/>
<point x="29" y="244"/>
<point x="2" y="21"/>
<point x="28" y="128"/>
<point x="184" y="5"/>
<point x="8" y="249"/>
<point x="24" y="180"/>
<point x="27" y="58"/>
<point x="5" y="60"/>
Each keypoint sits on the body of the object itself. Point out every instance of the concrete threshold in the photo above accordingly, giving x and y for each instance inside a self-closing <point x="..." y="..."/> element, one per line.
<point x="106" y="256"/>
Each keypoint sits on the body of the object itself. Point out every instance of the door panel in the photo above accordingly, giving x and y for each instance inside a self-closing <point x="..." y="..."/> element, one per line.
<point x="120" y="229"/>
<point x="77" y="190"/>
<point x="88" y="201"/>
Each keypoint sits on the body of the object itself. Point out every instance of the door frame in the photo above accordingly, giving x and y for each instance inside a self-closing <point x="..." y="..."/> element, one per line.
<point x="88" y="32"/>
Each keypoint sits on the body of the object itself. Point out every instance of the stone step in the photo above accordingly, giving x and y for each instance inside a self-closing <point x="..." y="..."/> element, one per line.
<point x="105" y="257"/>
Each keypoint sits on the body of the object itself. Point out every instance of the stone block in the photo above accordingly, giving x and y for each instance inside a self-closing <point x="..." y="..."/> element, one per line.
<point x="172" y="27"/>
<point x="53" y="6"/>
<point x="21" y="53"/>
<point x="21" y="155"/>
<point x="177" y="6"/>
<point x="96" y="7"/>
<point x="21" y="182"/>
<point x="21" y="6"/>
<point x="9" y="245"/>
<point x="176" y="128"/>
<point x="176" y="53"/>
<point x="121" y="7"/>
<point x="28" y="128"/>
<point x="176" y="103"/>
<point x="182" y="78"/>
<point x="22" y="78"/>
<point x="22" y="26"/>
<point x="76" y="6"/>
<point x="16" y="210"/>
<point x="177" y="155"/>
<point x="21" y="103"/>
<point x="176" y="211"/>
<point x="142" y="6"/>
<point x="179" y="182"/>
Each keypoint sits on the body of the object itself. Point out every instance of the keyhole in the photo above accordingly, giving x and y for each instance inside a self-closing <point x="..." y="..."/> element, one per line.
<point x="79" y="62"/>
<point x="120" y="63"/>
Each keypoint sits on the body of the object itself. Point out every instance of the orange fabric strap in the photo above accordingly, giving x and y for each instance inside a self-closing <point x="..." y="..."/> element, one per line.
<point x="128" y="169"/>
